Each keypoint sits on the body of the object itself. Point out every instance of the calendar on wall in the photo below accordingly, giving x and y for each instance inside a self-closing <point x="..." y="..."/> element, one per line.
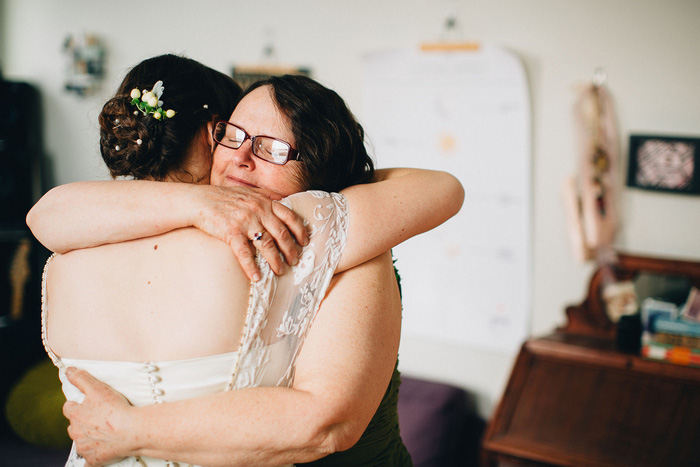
<point x="465" y="111"/>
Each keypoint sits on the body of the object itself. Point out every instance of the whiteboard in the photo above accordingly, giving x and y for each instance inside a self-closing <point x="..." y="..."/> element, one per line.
<point x="467" y="113"/>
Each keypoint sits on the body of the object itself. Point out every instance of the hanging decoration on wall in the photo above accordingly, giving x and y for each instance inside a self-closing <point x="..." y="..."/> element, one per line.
<point x="591" y="196"/>
<point x="268" y="66"/>
<point x="85" y="63"/>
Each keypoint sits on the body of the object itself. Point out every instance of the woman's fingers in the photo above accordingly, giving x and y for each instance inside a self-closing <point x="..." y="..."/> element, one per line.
<point x="265" y="244"/>
<point x="83" y="380"/>
<point x="236" y="214"/>
<point x="269" y="246"/>
<point x="293" y="223"/>
<point x="245" y="253"/>
<point x="281" y="235"/>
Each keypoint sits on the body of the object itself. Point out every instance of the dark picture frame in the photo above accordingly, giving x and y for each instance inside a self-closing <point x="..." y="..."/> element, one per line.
<point x="664" y="163"/>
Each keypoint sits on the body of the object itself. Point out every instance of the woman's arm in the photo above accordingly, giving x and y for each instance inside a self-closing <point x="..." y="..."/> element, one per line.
<point x="87" y="214"/>
<point x="401" y="203"/>
<point x="341" y="375"/>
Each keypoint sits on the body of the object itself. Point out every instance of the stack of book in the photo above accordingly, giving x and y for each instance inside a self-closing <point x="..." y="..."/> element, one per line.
<point x="671" y="334"/>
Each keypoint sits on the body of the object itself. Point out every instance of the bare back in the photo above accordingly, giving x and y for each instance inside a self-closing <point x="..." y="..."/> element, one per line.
<point x="177" y="295"/>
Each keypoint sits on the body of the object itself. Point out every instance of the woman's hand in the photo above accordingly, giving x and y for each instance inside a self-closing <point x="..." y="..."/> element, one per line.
<point x="96" y="423"/>
<point x="238" y="215"/>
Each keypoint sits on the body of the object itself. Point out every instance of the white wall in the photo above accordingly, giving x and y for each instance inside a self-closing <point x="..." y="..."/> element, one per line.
<point x="649" y="49"/>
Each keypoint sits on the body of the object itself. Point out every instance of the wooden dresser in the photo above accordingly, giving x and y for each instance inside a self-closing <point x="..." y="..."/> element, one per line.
<point x="574" y="399"/>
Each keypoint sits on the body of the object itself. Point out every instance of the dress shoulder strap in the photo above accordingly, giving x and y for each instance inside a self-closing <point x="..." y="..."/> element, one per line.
<point x="44" y="316"/>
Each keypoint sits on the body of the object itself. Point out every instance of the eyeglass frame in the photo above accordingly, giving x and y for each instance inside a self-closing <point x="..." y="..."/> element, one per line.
<point x="293" y="154"/>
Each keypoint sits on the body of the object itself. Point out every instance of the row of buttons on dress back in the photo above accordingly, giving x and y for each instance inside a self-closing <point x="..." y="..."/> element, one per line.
<point x="157" y="392"/>
<point x="153" y="380"/>
<point x="142" y="463"/>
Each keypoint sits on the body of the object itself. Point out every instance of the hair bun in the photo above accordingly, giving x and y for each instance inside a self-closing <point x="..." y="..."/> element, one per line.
<point x="130" y="141"/>
<point x="168" y="122"/>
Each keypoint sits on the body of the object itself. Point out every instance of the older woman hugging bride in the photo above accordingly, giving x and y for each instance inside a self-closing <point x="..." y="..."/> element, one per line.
<point x="187" y="327"/>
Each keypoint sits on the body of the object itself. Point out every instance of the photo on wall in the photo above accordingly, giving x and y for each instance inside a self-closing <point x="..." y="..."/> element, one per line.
<point x="664" y="163"/>
<point x="245" y="75"/>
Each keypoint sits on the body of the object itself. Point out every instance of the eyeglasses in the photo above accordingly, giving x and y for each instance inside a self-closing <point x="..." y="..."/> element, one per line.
<point x="266" y="148"/>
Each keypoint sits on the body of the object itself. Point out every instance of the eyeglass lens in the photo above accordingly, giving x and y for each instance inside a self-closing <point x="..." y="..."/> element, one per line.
<point x="265" y="147"/>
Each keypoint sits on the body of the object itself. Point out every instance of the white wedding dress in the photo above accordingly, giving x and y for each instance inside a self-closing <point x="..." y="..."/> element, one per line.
<point x="279" y="314"/>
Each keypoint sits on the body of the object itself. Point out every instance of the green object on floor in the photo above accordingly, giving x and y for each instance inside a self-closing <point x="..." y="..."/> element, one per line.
<point x="34" y="407"/>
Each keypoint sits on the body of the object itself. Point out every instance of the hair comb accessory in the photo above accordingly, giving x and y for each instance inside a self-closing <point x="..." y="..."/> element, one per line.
<point x="149" y="103"/>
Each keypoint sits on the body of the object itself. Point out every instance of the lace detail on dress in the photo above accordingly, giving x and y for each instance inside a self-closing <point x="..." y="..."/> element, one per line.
<point x="283" y="307"/>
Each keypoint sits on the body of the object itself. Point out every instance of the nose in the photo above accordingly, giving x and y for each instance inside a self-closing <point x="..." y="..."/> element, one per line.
<point x="243" y="156"/>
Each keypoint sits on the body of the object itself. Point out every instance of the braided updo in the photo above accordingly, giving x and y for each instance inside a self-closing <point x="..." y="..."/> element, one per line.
<point x="140" y="146"/>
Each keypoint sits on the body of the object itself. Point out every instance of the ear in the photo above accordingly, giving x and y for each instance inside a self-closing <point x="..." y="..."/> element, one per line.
<point x="210" y="138"/>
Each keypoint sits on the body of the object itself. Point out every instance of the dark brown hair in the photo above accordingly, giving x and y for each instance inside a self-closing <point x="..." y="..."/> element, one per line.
<point x="329" y="139"/>
<point x="198" y="94"/>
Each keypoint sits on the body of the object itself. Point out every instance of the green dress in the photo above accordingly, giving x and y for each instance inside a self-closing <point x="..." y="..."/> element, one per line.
<point x="380" y="444"/>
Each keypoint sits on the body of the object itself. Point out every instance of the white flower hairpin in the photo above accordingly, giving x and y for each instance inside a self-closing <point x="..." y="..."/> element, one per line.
<point x="148" y="102"/>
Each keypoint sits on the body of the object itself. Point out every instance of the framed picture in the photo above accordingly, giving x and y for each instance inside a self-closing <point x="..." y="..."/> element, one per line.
<point x="245" y="75"/>
<point x="664" y="163"/>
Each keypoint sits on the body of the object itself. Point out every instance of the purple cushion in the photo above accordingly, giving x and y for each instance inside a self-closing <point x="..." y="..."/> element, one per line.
<point x="438" y="424"/>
